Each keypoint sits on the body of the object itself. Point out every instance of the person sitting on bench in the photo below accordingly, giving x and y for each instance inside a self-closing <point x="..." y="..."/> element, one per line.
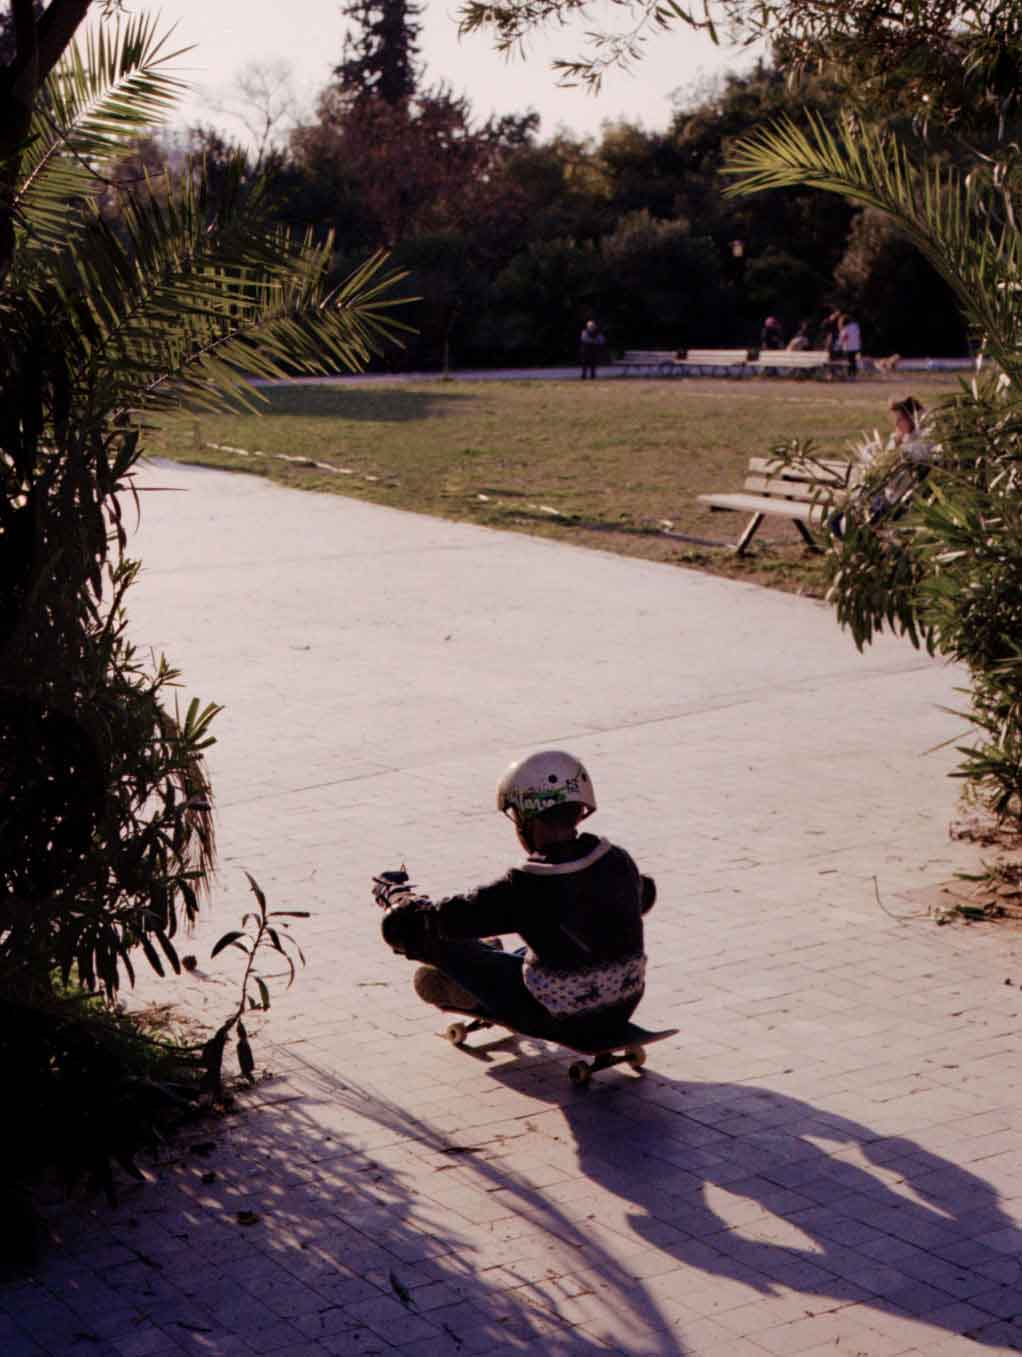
<point x="895" y="470"/>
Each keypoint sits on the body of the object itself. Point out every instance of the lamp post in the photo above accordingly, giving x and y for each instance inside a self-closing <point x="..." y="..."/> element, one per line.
<point x="738" y="259"/>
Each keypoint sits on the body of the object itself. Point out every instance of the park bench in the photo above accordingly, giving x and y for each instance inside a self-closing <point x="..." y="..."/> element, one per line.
<point x="799" y="362"/>
<point x="712" y="360"/>
<point x="660" y="361"/>
<point x="804" y="491"/>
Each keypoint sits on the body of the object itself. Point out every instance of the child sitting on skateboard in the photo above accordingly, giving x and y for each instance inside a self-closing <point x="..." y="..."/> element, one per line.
<point x="577" y="901"/>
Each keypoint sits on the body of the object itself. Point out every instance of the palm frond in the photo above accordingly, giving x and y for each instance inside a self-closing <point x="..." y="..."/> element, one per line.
<point x="957" y="222"/>
<point x="178" y="302"/>
<point x="105" y="90"/>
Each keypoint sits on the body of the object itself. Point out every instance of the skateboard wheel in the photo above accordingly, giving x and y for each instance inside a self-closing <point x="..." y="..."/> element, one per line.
<point x="580" y="1073"/>
<point x="456" y="1033"/>
<point x="636" y="1056"/>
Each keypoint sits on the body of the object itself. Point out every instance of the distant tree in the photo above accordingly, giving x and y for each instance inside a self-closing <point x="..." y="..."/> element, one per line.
<point x="421" y="167"/>
<point x="451" y="289"/>
<point x="261" y="98"/>
<point x="902" y="303"/>
<point x="544" y="295"/>
<point x="644" y="171"/>
<point x="792" y="240"/>
<point x="663" y="285"/>
<point x="380" y="58"/>
<point x="566" y="190"/>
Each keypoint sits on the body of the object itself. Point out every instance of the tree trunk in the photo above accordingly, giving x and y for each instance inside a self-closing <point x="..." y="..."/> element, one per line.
<point x="39" y="45"/>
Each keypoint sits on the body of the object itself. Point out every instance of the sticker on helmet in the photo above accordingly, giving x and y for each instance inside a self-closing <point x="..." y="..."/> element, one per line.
<point x="533" y="800"/>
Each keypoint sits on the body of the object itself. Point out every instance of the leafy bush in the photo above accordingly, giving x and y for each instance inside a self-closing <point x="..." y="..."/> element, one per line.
<point x="112" y="311"/>
<point x="116" y="304"/>
<point x="105" y="812"/>
<point x="96" y="1087"/>
<point x="948" y="572"/>
<point x="90" y="1092"/>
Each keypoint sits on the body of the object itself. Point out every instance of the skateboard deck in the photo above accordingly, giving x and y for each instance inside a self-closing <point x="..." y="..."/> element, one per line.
<point x="627" y="1048"/>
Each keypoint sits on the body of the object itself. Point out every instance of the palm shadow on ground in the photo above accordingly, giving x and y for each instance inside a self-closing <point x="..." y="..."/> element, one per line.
<point x="309" y="1210"/>
<point x="330" y="1209"/>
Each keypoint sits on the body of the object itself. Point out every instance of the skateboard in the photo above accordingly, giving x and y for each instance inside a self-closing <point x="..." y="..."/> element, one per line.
<point x="629" y="1048"/>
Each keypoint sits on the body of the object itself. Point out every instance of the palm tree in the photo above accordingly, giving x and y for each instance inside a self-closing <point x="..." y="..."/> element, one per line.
<point x="949" y="573"/>
<point x="106" y="320"/>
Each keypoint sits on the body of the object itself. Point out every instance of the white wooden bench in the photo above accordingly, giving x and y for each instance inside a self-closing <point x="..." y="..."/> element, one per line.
<point x="712" y="360"/>
<point x="799" y="362"/>
<point x="660" y="361"/>
<point x="804" y="491"/>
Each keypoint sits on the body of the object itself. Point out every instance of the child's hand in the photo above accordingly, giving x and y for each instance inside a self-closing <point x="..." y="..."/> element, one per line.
<point x="392" y="888"/>
<point x="408" y="927"/>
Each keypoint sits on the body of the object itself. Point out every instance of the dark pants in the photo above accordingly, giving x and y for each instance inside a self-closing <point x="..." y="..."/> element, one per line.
<point x="495" y="980"/>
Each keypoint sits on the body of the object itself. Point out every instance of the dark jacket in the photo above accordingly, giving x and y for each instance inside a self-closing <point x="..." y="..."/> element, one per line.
<point x="581" y="904"/>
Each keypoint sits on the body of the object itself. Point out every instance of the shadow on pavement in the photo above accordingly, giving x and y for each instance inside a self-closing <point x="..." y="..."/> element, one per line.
<point x="539" y="1283"/>
<point x="628" y="1218"/>
<point x="769" y="1191"/>
<point x="330" y="1209"/>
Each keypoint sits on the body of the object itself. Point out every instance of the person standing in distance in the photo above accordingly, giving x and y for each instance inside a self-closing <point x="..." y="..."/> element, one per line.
<point x="591" y="345"/>
<point x="850" y="344"/>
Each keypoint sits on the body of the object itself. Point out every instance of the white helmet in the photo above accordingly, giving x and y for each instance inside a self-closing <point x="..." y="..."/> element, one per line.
<point x="549" y="778"/>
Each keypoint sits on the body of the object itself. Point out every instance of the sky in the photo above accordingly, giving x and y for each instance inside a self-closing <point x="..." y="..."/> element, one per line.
<point x="308" y="34"/>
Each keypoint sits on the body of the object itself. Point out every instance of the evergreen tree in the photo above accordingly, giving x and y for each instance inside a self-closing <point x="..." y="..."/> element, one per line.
<point x="382" y="57"/>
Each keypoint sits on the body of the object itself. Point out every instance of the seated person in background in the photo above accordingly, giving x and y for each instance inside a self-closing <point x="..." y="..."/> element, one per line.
<point x="800" y="339"/>
<point x="771" y="336"/>
<point x="892" y="471"/>
<point x="577" y="901"/>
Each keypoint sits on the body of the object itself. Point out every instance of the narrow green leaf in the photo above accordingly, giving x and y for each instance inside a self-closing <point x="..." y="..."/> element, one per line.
<point x="226" y="941"/>
<point x="246" y="1060"/>
<point x="151" y="956"/>
<point x="260" y="897"/>
<point x="169" y="951"/>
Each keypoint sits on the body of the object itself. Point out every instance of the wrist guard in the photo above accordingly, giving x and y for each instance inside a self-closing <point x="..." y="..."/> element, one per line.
<point x="392" y="888"/>
<point x="408" y="927"/>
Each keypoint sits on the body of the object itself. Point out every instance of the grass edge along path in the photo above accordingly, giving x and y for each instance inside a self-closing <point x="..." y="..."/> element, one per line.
<point x="615" y="466"/>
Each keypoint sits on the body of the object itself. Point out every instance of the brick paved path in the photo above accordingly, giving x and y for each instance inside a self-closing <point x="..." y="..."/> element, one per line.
<point x="827" y="1158"/>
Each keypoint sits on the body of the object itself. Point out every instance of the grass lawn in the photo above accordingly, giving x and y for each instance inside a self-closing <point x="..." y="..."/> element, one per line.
<point x="607" y="464"/>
